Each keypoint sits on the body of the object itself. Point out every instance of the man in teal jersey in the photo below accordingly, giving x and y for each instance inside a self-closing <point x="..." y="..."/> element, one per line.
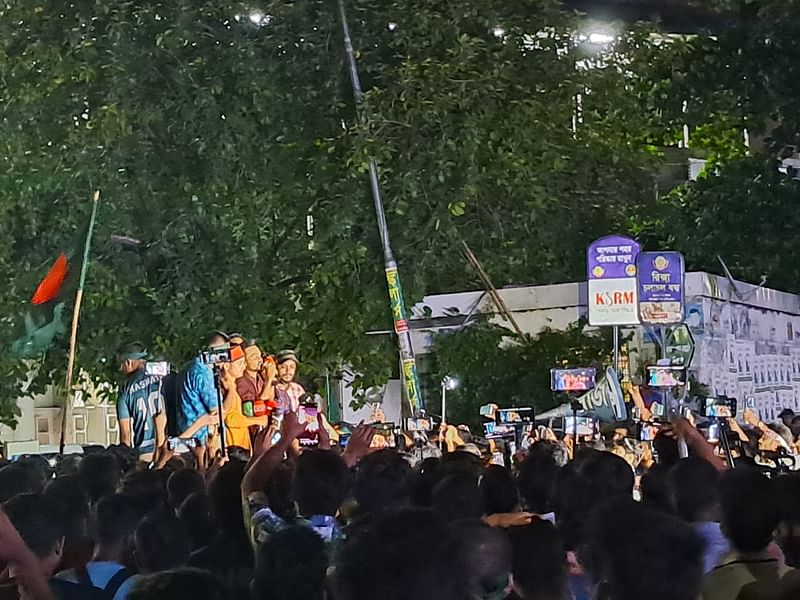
<point x="140" y="406"/>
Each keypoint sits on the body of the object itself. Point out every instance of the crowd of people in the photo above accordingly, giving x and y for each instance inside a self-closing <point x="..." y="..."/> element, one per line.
<point x="259" y="515"/>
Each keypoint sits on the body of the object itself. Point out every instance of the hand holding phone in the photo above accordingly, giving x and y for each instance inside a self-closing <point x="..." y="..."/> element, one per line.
<point x="308" y="414"/>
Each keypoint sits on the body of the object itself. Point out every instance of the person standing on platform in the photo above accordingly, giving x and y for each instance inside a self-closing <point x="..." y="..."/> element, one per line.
<point x="140" y="408"/>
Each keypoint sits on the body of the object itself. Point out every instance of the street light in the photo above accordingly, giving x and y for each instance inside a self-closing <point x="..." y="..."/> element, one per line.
<point x="448" y="384"/>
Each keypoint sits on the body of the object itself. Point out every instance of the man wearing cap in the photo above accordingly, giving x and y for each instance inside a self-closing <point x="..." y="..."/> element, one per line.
<point x="140" y="406"/>
<point x="287" y="390"/>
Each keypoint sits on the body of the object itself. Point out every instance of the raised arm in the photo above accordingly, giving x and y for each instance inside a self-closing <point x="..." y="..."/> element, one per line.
<point x="262" y="467"/>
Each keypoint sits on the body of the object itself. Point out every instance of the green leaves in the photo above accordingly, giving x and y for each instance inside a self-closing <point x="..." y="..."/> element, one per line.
<point x="492" y="365"/>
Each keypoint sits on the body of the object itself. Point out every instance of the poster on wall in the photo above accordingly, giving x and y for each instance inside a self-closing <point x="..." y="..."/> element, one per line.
<point x="661" y="288"/>
<point x="611" y="275"/>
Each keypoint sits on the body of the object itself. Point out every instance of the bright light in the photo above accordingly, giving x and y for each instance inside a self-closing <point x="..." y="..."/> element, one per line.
<point x="449" y="383"/>
<point x="257" y="17"/>
<point x="498" y="32"/>
<point x="392" y="26"/>
<point x="600" y="38"/>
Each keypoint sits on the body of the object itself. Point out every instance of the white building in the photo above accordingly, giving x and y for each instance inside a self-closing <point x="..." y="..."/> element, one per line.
<point x="747" y="337"/>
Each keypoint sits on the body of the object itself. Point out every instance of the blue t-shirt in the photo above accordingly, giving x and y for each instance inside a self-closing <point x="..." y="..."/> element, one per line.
<point x="140" y="400"/>
<point x="197" y="396"/>
<point x="100" y="574"/>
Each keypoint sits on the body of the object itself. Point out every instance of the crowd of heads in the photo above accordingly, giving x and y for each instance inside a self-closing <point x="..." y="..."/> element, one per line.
<point x="454" y="527"/>
<point x="274" y="520"/>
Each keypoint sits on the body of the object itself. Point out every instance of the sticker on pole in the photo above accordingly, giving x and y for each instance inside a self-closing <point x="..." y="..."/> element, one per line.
<point x="661" y="287"/>
<point x="611" y="275"/>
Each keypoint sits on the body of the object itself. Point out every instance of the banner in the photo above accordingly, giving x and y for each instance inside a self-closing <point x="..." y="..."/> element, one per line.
<point x="661" y="287"/>
<point x="611" y="275"/>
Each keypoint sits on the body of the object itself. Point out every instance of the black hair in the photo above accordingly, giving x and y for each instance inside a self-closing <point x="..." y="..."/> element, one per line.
<point x="536" y="478"/>
<point x="695" y="488"/>
<point x="225" y="493"/>
<point x="35" y="518"/>
<point x="148" y="488"/>
<point x="213" y="336"/>
<point x="100" y="474"/>
<point x="321" y="482"/>
<point x="182" y="484"/>
<point x="499" y="490"/>
<point x="39" y="470"/>
<point x="457" y="497"/>
<point x="666" y="447"/>
<point x="660" y="557"/>
<point x="195" y="515"/>
<point x="291" y="565"/>
<point x="280" y="491"/>
<point x="178" y="584"/>
<point x="486" y="556"/>
<point x="788" y="490"/>
<point x="461" y="462"/>
<point x="161" y="542"/>
<point x="117" y="517"/>
<point x="656" y="488"/>
<point x="382" y="480"/>
<point x="750" y="509"/>
<point x="71" y="502"/>
<point x="409" y="551"/>
<point x="427" y="474"/>
<point x="14" y="480"/>
<point x="126" y="457"/>
<point x="593" y="479"/>
<point x="539" y="561"/>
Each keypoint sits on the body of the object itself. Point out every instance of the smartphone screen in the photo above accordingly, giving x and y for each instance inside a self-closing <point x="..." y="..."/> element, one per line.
<point x="572" y="380"/>
<point x="384" y="435"/>
<point x="665" y="377"/>
<point x="515" y="415"/>
<point x="718" y="408"/>
<point x="310" y="437"/>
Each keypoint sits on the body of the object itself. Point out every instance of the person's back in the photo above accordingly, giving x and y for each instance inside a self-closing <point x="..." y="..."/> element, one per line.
<point x="383" y="480"/>
<point x="178" y="584"/>
<point x="291" y="565"/>
<point x="750" y="515"/>
<point x="397" y="555"/>
<point x="117" y="517"/>
<point x="161" y="542"/>
<point x="229" y="556"/>
<point x="539" y="562"/>
<point x="634" y="553"/>
<point x="695" y="485"/>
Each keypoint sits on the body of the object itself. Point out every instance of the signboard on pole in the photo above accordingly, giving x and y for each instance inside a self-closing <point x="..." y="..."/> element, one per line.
<point x="680" y="346"/>
<point x="660" y="277"/>
<point x="611" y="275"/>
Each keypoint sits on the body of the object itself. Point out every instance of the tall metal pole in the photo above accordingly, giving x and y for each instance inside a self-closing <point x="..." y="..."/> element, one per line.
<point x="616" y="350"/>
<point x="408" y="363"/>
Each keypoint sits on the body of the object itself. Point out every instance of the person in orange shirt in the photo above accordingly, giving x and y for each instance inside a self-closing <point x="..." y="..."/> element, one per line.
<point x="237" y="423"/>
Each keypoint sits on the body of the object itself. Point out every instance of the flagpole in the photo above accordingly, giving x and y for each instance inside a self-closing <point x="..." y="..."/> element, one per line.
<point x="408" y="365"/>
<point x="73" y="337"/>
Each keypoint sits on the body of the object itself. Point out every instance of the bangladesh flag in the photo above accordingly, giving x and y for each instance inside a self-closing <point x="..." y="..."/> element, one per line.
<point x="44" y="317"/>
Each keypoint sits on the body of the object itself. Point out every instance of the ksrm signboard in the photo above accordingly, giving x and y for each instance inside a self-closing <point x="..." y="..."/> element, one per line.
<point x="611" y="274"/>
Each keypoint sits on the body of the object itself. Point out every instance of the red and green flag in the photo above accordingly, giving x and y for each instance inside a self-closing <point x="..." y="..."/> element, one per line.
<point x="44" y="318"/>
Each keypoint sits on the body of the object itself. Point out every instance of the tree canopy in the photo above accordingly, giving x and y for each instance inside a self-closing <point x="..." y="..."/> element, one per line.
<point x="224" y="140"/>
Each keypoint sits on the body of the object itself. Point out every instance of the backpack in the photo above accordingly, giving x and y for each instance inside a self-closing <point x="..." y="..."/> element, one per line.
<point x="87" y="588"/>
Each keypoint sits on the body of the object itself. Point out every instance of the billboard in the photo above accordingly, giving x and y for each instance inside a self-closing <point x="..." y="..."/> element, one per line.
<point x="611" y="274"/>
